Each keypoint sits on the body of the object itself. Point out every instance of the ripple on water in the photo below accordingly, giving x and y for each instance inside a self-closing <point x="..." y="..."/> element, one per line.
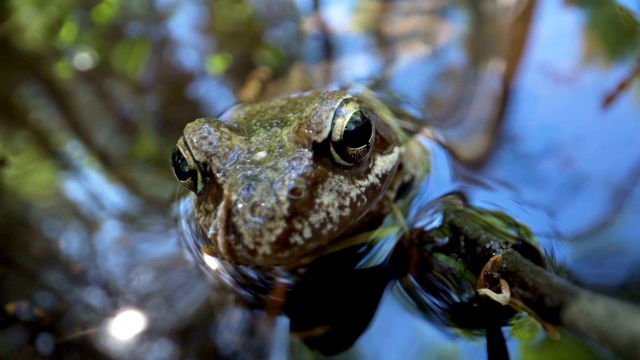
<point x="438" y="302"/>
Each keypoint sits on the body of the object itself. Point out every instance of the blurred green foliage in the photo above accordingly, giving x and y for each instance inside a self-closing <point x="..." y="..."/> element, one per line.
<point x="569" y="347"/>
<point x="28" y="171"/>
<point x="68" y="33"/>
<point x="34" y="24"/>
<point x="218" y="63"/>
<point x="129" y="57"/>
<point x="105" y="12"/>
<point x="612" y="33"/>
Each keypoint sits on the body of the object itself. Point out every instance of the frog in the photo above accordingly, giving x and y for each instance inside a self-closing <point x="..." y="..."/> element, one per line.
<point x="289" y="178"/>
<point x="284" y="186"/>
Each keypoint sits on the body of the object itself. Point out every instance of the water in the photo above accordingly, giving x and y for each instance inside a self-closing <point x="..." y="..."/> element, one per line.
<point x="95" y="96"/>
<point x="346" y="289"/>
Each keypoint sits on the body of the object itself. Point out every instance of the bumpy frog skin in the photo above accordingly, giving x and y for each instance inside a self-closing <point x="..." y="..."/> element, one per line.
<point x="272" y="182"/>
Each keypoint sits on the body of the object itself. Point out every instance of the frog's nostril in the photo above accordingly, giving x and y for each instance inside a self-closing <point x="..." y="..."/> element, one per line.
<point x="297" y="190"/>
<point x="255" y="212"/>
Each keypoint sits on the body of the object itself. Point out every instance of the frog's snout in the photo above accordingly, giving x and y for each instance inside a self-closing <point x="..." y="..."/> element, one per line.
<point x="261" y="225"/>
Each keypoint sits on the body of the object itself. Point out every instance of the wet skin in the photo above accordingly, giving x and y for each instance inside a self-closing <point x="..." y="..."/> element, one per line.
<point x="280" y="180"/>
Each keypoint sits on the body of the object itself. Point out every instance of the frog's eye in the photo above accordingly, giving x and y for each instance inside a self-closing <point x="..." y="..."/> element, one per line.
<point x="352" y="134"/>
<point x="186" y="173"/>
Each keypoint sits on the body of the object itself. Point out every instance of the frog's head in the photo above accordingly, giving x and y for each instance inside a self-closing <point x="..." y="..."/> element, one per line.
<point x="279" y="180"/>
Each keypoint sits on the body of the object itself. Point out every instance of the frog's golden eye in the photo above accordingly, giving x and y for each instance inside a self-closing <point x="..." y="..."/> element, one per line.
<point x="186" y="173"/>
<point x="352" y="134"/>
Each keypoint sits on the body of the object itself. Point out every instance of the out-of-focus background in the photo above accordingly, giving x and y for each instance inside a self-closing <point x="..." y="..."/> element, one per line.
<point x="540" y="97"/>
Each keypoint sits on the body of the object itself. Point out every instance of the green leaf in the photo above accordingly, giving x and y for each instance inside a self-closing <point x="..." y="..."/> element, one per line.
<point x="105" y="12"/>
<point x="218" y="63"/>
<point x="68" y="32"/>
<point x="130" y="56"/>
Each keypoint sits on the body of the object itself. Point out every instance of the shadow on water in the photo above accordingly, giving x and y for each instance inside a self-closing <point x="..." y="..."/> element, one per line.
<point x="101" y="258"/>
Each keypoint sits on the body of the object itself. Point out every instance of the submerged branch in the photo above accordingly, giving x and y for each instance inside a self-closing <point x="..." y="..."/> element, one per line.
<point x="607" y="321"/>
<point x="623" y="86"/>
<point x="482" y="266"/>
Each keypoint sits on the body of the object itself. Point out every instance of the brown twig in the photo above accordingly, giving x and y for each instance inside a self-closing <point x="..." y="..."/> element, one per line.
<point x="607" y="321"/>
<point x="622" y="86"/>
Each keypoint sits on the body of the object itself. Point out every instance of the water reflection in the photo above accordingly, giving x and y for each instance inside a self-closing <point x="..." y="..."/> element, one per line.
<point x="555" y="128"/>
<point x="330" y="303"/>
<point x="127" y="324"/>
<point x="93" y="95"/>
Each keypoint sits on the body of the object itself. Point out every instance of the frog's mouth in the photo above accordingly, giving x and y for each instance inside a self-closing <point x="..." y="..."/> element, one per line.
<point x="226" y="232"/>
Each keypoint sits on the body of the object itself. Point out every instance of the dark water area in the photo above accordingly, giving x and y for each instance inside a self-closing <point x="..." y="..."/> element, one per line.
<point x="529" y="108"/>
